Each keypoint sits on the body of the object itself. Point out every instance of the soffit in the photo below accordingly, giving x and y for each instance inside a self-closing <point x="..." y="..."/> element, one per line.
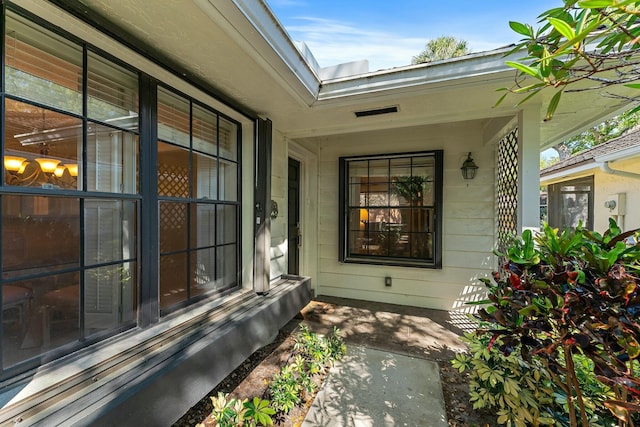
<point x="238" y="48"/>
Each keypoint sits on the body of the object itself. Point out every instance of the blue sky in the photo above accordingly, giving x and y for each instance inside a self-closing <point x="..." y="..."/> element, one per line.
<point x="390" y="33"/>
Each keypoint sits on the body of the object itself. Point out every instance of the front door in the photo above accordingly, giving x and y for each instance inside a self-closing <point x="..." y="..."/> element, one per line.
<point x="293" y="225"/>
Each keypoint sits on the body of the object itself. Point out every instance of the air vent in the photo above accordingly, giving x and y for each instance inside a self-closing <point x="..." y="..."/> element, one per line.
<point x="377" y="111"/>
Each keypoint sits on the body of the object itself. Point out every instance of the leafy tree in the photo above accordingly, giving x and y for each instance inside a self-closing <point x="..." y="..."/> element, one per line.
<point x="443" y="47"/>
<point x="593" y="42"/>
<point x="603" y="132"/>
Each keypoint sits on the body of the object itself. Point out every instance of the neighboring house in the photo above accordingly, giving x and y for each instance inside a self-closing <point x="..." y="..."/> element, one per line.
<point x="144" y="144"/>
<point x="596" y="184"/>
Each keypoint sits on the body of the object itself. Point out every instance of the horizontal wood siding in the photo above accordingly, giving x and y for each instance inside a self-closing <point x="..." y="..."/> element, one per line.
<point x="468" y="223"/>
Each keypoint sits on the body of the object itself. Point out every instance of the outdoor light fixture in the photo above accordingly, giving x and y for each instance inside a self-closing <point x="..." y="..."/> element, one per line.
<point x="469" y="168"/>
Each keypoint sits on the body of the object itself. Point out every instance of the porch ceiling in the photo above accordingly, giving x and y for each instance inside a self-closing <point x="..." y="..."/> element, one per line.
<point x="238" y="48"/>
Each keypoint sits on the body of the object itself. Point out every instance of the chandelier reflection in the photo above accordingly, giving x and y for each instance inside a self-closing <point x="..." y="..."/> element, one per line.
<point x="42" y="172"/>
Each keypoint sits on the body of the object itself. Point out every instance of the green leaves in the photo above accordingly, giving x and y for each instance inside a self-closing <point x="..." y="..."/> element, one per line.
<point x="260" y="411"/>
<point x="524" y="29"/>
<point x="563" y="296"/>
<point x="561" y="52"/>
<point x="523" y="68"/>
<point x="595" y="4"/>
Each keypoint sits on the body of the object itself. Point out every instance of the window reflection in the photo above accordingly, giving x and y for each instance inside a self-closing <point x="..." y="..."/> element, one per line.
<point x="42" y="147"/>
<point x="39" y="234"/>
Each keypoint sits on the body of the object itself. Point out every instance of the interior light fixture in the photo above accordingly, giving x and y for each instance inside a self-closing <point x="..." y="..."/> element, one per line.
<point x="48" y="165"/>
<point x="59" y="171"/>
<point x="13" y="163"/>
<point x="73" y="169"/>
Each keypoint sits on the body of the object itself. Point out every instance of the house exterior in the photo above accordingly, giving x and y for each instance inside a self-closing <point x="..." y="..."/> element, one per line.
<point x="179" y="179"/>
<point x="595" y="185"/>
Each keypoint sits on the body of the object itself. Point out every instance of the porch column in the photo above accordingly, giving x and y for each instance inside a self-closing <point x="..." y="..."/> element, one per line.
<point x="528" y="212"/>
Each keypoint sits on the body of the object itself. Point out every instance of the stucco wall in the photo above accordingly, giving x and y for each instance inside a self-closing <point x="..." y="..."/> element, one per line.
<point x="468" y="223"/>
<point x="606" y="184"/>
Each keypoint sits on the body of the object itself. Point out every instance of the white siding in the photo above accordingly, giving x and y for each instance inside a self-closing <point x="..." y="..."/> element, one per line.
<point x="468" y="223"/>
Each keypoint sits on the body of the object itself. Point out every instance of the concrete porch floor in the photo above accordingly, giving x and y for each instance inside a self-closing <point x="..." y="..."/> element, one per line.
<point x="410" y="331"/>
<point x="390" y="374"/>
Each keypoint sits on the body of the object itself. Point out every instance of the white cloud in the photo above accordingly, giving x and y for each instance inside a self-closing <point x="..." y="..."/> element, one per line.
<point x="334" y="42"/>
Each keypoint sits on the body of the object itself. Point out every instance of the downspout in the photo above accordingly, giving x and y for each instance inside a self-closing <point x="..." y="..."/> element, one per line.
<point x="604" y="166"/>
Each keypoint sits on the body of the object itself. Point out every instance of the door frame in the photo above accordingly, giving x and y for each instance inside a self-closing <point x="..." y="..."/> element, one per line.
<point x="308" y="256"/>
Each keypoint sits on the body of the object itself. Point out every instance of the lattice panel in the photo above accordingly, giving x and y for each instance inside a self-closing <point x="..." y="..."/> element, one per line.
<point x="507" y="189"/>
<point x="173" y="180"/>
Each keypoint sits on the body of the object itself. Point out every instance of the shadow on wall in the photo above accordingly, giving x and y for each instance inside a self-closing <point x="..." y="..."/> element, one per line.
<point x="461" y="312"/>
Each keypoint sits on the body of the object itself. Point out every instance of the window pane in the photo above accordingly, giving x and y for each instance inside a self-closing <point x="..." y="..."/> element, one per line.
<point x="400" y="167"/>
<point x="109" y="297"/>
<point x="574" y="209"/>
<point x="173" y="227"/>
<point x="112" y="93"/>
<point x="227" y="224"/>
<point x="173" y="279"/>
<point x="173" y="171"/>
<point x="226" y="274"/>
<point x="205" y="174"/>
<point x="205" y="130"/>
<point x="42" y="66"/>
<point x="110" y="230"/>
<point x="173" y="118"/>
<point x="203" y="263"/>
<point x="112" y="160"/>
<point x="378" y="191"/>
<point x="42" y="147"/>
<point x="39" y="234"/>
<point x="390" y="216"/>
<point x="357" y="171"/>
<point x="379" y="169"/>
<point x="40" y="314"/>
<point x="228" y="181"/>
<point x="228" y="139"/>
<point x="203" y="226"/>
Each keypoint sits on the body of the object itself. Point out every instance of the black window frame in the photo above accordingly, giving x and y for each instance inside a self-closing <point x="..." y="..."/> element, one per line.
<point x="146" y="198"/>
<point x="344" y="255"/>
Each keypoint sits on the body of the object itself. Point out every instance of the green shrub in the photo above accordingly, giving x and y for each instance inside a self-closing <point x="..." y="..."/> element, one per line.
<point x="565" y="296"/>
<point x="313" y="354"/>
<point x="236" y="413"/>
<point x="518" y="391"/>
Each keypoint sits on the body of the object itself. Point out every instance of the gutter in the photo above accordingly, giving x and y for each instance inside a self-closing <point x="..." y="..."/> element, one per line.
<point x="604" y="167"/>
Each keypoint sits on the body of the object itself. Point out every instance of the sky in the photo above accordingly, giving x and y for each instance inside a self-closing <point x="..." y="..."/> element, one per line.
<point x="390" y="32"/>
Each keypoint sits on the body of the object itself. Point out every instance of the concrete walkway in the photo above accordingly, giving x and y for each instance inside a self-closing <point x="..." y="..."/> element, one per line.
<point x="390" y="374"/>
<point x="378" y="388"/>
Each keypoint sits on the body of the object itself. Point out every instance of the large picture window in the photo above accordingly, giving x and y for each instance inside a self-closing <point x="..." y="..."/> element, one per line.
<point x="390" y="209"/>
<point x="104" y="167"/>
<point x="69" y="198"/>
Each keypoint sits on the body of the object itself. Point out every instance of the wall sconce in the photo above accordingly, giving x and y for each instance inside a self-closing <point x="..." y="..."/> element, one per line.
<point x="469" y="168"/>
